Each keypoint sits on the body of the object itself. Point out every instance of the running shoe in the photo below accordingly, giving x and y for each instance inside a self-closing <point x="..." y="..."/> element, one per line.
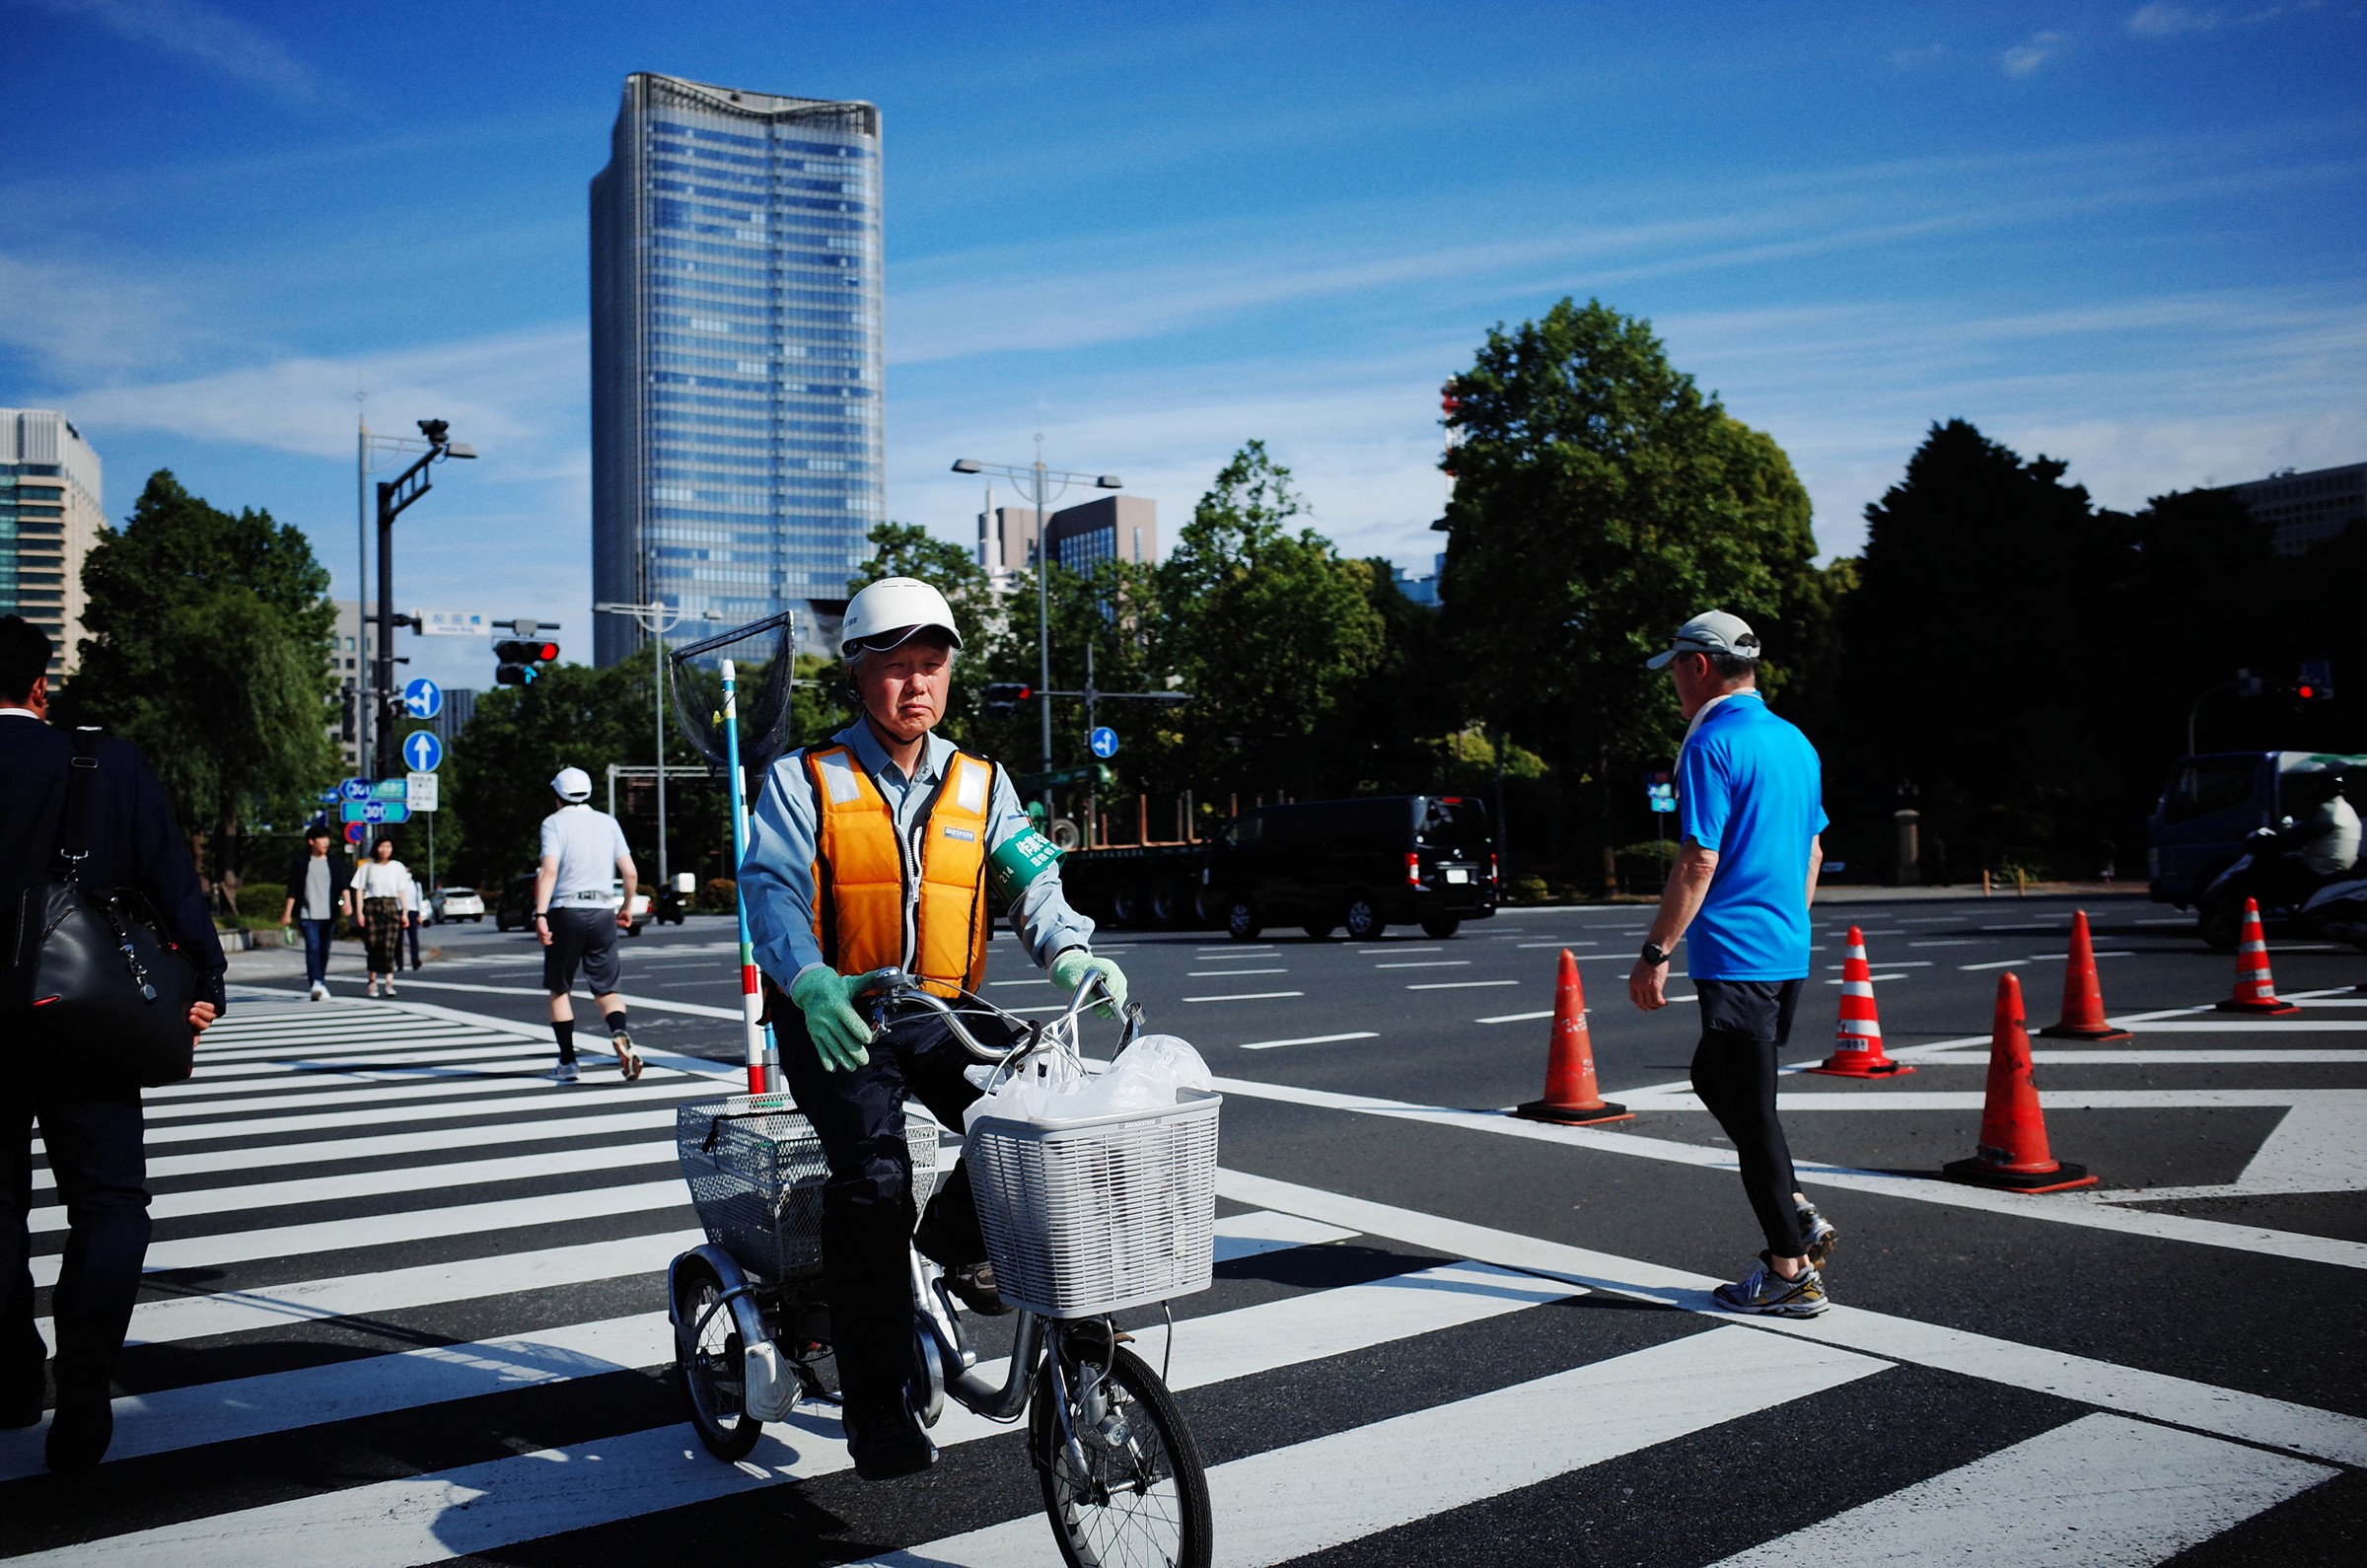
<point x="564" y="1073"/>
<point x="1819" y="1235"/>
<point x="1768" y="1294"/>
<point x="629" y="1060"/>
<point x="320" y="992"/>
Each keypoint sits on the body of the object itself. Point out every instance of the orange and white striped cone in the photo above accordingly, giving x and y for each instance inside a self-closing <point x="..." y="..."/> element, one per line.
<point x="2255" y="987"/>
<point x="1857" y="1047"/>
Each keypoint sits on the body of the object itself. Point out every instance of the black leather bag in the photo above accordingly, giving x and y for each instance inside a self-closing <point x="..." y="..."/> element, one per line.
<point x="110" y="991"/>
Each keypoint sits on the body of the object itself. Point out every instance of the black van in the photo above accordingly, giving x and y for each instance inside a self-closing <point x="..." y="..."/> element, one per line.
<point x="1363" y="864"/>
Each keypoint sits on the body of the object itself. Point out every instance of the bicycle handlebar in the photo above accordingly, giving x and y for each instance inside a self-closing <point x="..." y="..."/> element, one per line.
<point x="898" y="988"/>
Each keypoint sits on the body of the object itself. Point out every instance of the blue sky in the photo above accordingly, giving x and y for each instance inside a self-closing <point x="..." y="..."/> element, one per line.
<point x="2130" y="236"/>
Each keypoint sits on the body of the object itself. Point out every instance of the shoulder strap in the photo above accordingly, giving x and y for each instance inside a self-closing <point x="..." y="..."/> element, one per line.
<point x="82" y="776"/>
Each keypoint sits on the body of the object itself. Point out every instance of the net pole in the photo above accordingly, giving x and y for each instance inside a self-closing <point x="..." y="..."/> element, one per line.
<point x="751" y="1002"/>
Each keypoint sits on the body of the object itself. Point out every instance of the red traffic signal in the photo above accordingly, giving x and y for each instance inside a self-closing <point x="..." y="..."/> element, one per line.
<point x="518" y="656"/>
<point x="1002" y="697"/>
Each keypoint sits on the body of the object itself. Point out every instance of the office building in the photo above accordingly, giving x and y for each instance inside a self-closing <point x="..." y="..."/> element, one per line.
<point x="735" y="353"/>
<point x="2304" y="510"/>
<point x="50" y="514"/>
<point x="1109" y="527"/>
<point x="1006" y="542"/>
<point x="1423" y="590"/>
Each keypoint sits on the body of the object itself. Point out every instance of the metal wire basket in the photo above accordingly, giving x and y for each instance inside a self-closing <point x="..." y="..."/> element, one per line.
<point x="1092" y="1216"/>
<point x="755" y="1172"/>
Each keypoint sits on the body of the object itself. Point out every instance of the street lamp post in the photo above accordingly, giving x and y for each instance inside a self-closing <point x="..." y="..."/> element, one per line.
<point x="1043" y="484"/>
<point x="657" y="619"/>
<point x="394" y="497"/>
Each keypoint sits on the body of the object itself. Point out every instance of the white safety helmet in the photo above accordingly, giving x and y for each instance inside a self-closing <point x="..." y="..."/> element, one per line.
<point x="887" y="613"/>
<point x="572" y="784"/>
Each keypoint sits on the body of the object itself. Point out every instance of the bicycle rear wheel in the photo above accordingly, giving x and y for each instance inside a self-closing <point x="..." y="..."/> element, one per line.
<point x="1142" y="1499"/>
<point x="708" y="1371"/>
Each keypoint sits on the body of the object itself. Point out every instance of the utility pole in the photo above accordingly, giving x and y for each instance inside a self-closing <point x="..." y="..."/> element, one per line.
<point x="394" y="497"/>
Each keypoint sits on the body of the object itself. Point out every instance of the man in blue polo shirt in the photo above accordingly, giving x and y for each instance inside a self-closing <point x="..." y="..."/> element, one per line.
<point x="1750" y="789"/>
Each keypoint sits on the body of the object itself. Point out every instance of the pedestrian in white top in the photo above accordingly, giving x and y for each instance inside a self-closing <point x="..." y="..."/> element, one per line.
<point x="377" y="894"/>
<point x="577" y="917"/>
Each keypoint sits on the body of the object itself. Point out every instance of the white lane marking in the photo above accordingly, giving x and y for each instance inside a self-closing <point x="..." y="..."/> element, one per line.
<point x="400" y="1066"/>
<point x="2317" y="1148"/>
<point x="1368" y="953"/>
<point x="2349" y="1102"/>
<point x="1561" y="944"/>
<point x="2256" y="1025"/>
<point x="420" y="1142"/>
<point x="1246" y="996"/>
<point x="349" y="1044"/>
<point x="1959" y="942"/>
<point x="1895" y="964"/>
<point x="1514" y="1018"/>
<point x="1870" y="977"/>
<point x="1459" y="985"/>
<point x="1219" y="975"/>
<point x="580" y="1099"/>
<point x="2000" y="963"/>
<point x="1947" y="1194"/>
<point x="2154" y="1395"/>
<point x="656" y="1004"/>
<point x="1286" y="1503"/>
<point x="1306" y="1039"/>
<point x="1261" y="949"/>
<point x="2014" y="928"/>
<point x="2172" y="920"/>
<point x="2108" y="1056"/>
<point x="307" y="1190"/>
<point x="2101" y="1489"/>
<point x="388" y="1230"/>
<point x="483" y="1507"/>
<point x="387" y="1096"/>
<point x="991" y="984"/>
<point x="195" y="1414"/>
<point x="1428" y="964"/>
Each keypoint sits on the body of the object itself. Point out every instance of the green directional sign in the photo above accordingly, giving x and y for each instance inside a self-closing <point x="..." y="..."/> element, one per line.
<point x="390" y="789"/>
<point x="376" y="811"/>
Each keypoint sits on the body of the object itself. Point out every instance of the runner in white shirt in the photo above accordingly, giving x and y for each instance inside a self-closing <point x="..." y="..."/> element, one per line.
<point x="577" y="918"/>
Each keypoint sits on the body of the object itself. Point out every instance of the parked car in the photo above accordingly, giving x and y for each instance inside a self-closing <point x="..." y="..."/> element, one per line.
<point x="455" y="903"/>
<point x="2214" y="806"/>
<point x="516" y="912"/>
<point x="1362" y="865"/>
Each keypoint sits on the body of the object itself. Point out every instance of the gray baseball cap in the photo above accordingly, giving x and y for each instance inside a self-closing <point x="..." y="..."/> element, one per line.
<point x="1712" y="631"/>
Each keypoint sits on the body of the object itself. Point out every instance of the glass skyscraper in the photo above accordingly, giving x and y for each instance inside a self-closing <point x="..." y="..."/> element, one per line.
<point x="736" y="359"/>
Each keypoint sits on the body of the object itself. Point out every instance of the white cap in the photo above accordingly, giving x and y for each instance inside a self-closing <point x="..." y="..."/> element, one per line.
<point x="1712" y="631"/>
<point x="572" y="784"/>
<point x="888" y="611"/>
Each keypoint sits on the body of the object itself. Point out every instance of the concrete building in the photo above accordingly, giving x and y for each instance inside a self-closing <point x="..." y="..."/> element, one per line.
<point x="735" y="352"/>
<point x="1108" y="527"/>
<point x="2305" y="510"/>
<point x="51" y="509"/>
<point x="1006" y="541"/>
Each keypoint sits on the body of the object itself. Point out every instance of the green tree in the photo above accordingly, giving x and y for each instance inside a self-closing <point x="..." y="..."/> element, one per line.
<point x="1268" y="628"/>
<point x="1600" y="498"/>
<point x="209" y="647"/>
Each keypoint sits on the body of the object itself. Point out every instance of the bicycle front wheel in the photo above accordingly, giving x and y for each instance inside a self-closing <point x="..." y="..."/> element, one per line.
<point x="1141" y="1500"/>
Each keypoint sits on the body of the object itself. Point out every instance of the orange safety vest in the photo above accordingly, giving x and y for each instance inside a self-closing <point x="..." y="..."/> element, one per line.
<point x="873" y="907"/>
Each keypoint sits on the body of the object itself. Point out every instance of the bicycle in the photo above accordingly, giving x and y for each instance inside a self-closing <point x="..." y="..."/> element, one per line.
<point x="1081" y="1220"/>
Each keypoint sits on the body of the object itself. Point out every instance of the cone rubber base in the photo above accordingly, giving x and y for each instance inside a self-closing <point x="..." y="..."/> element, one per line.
<point x="2094" y="1036"/>
<point x="1981" y="1173"/>
<point x="2277" y="1008"/>
<point x="1893" y="1070"/>
<point x="1574" y="1115"/>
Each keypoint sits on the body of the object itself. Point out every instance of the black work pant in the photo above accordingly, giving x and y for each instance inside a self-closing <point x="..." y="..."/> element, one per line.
<point x="867" y="1210"/>
<point x="94" y="1135"/>
<point x="1744" y="1023"/>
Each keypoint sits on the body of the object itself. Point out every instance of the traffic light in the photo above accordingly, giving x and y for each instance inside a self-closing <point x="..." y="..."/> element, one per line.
<point x="518" y="656"/>
<point x="2316" y="683"/>
<point x="1002" y="697"/>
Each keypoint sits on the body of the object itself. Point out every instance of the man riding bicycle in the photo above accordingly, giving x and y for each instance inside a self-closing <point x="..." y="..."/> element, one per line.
<point x="874" y="851"/>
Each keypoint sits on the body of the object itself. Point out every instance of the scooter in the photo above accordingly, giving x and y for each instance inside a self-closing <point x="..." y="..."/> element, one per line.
<point x="2329" y="906"/>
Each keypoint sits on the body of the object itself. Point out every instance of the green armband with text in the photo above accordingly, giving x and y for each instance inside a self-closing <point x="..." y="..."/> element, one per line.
<point x="1018" y="861"/>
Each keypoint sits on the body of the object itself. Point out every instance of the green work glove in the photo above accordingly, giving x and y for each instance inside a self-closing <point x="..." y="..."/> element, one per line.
<point x="1071" y="966"/>
<point x="838" y="1031"/>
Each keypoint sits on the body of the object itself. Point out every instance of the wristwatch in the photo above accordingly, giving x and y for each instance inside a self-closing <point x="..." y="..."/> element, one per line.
<point x="1655" y="956"/>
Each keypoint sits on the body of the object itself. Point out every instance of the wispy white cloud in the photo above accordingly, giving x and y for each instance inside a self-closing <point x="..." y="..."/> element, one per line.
<point x="212" y="38"/>
<point x="2033" y="52"/>
<point x="2162" y="20"/>
<point x="77" y="321"/>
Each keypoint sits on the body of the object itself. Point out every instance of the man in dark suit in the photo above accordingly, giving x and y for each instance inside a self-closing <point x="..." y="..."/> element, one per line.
<point x="89" y="1123"/>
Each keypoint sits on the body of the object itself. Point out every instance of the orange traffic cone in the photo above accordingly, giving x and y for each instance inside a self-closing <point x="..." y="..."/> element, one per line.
<point x="1571" y="1095"/>
<point x="2083" y="997"/>
<point x="2255" y="987"/>
<point x="1857" y="1049"/>
<point x="2012" y="1152"/>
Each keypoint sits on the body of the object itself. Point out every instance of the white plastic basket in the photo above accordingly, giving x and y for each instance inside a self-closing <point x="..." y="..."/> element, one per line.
<point x="755" y="1172"/>
<point x="1089" y="1217"/>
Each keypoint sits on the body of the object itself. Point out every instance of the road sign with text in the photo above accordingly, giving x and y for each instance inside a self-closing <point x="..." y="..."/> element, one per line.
<point x="423" y="792"/>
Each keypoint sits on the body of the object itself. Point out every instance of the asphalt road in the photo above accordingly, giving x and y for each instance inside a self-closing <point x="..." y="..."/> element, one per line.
<point x="407" y="1304"/>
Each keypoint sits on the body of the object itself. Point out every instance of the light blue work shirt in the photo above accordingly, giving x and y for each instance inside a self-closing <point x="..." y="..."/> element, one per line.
<point x="1750" y="787"/>
<point x="778" y="876"/>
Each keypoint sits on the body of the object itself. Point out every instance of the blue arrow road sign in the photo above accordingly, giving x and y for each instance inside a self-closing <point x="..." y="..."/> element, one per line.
<point x="423" y="751"/>
<point x="355" y="789"/>
<point x="422" y="698"/>
<point x="1104" y="742"/>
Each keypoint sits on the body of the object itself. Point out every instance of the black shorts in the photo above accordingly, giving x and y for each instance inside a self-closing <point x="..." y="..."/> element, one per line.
<point x="586" y="935"/>
<point x="1753" y="1009"/>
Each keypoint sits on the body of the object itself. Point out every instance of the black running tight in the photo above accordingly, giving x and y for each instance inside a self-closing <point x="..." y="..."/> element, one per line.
<point x="1736" y="1078"/>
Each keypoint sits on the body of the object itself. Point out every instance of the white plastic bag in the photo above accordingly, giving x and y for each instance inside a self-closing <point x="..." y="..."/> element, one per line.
<point x="1148" y="1075"/>
<point x="1039" y="1092"/>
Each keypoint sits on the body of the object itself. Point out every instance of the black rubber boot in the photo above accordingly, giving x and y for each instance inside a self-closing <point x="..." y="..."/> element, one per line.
<point x="85" y="1422"/>
<point x="867" y="1275"/>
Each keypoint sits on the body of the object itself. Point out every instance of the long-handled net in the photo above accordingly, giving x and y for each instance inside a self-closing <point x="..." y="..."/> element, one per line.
<point x="763" y="654"/>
